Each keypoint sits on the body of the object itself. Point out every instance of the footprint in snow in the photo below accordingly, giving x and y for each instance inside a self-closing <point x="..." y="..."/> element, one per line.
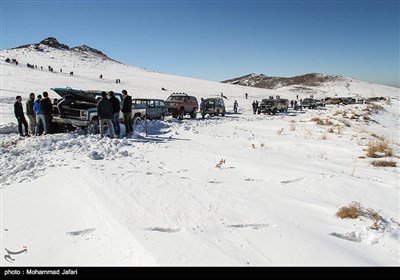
<point x="253" y="226"/>
<point x="166" y="230"/>
<point x="81" y="232"/>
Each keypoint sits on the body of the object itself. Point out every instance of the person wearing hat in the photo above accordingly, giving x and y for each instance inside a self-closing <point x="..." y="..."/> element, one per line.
<point x="19" y="114"/>
<point x="40" y="119"/>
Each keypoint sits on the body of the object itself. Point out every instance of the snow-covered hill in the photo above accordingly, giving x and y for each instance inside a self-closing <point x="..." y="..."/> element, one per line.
<point x="316" y="84"/>
<point x="242" y="189"/>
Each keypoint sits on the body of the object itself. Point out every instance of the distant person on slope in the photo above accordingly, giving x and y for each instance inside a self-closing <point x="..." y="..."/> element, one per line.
<point x="19" y="114"/>
<point x="235" y="106"/>
<point x="127" y="112"/>
<point x="30" y="113"/>
<point x="104" y="111"/>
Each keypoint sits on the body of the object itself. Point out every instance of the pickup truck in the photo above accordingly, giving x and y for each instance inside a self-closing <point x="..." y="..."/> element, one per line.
<point x="80" y="111"/>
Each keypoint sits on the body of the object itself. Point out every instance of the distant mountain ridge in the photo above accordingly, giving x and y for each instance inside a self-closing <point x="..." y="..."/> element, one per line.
<point x="307" y="80"/>
<point x="53" y="43"/>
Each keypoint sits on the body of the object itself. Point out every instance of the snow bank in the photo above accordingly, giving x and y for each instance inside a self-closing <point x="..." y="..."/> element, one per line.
<point x="24" y="159"/>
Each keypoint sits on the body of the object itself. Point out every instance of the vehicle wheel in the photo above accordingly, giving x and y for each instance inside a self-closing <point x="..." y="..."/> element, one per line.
<point x="162" y="117"/>
<point x="136" y="120"/>
<point x="181" y="114"/>
<point x="223" y="113"/>
<point x="194" y="114"/>
<point x="93" y="127"/>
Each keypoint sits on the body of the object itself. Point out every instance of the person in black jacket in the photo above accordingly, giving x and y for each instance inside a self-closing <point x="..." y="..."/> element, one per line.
<point x="115" y="115"/>
<point x="127" y="111"/>
<point x="30" y="113"/>
<point x="19" y="114"/>
<point x="45" y="104"/>
<point x="104" y="112"/>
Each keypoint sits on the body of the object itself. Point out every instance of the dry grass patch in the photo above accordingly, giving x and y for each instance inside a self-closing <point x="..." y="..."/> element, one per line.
<point x="280" y="131"/>
<point x="339" y="129"/>
<point x="292" y="125"/>
<point x="319" y="121"/>
<point x="375" y="108"/>
<point x="381" y="145"/>
<point x="384" y="163"/>
<point x="355" y="210"/>
<point x="220" y="163"/>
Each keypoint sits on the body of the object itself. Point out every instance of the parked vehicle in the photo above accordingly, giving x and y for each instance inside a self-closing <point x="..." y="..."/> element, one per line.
<point x="213" y="106"/>
<point x="267" y="106"/>
<point x="180" y="104"/>
<point x="81" y="112"/>
<point x="309" y="103"/>
<point x="153" y="109"/>
<point x="272" y="106"/>
<point x="320" y="102"/>
<point x="282" y="104"/>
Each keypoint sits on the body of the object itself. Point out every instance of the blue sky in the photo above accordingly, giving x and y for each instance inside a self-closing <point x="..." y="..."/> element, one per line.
<point x="218" y="40"/>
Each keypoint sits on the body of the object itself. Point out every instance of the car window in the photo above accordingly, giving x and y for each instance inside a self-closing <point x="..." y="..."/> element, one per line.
<point x="151" y="103"/>
<point x="176" y="98"/>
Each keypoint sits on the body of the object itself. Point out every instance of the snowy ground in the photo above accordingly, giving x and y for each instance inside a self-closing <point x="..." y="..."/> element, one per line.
<point x="237" y="190"/>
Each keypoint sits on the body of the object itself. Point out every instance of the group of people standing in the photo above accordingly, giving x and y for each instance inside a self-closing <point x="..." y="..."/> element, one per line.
<point x="108" y="109"/>
<point x="38" y="112"/>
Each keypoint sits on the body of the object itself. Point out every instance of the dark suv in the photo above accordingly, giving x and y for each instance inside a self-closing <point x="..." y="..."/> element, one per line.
<point x="180" y="104"/>
<point x="213" y="107"/>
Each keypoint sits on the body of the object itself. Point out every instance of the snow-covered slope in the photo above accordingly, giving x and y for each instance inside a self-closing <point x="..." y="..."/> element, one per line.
<point x="316" y="84"/>
<point x="241" y="190"/>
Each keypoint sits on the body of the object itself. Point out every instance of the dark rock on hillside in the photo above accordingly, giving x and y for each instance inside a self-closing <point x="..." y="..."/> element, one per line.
<point x="263" y="81"/>
<point x="52" y="42"/>
<point x="85" y="48"/>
